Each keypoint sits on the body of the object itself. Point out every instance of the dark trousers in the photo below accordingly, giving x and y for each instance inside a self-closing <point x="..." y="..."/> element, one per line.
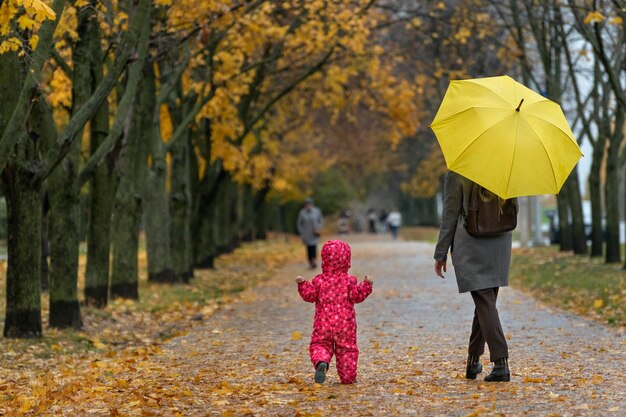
<point x="311" y="253"/>
<point x="486" y="326"/>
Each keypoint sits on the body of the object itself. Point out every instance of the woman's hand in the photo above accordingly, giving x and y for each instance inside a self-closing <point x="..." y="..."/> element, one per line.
<point x="368" y="279"/>
<point x="300" y="280"/>
<point x="439" y="266"/>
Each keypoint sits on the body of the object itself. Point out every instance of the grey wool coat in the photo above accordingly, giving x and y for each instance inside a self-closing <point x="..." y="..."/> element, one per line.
<point x="479" y="262"/>
<point x="310" y="222"/>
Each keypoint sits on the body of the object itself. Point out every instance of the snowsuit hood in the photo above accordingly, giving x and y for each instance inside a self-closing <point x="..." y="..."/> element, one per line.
<point x="336" y="256"/>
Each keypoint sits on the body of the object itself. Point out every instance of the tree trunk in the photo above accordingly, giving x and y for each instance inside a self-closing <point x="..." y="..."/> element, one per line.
<point x="63" y="187"/>
<point x="180" y="209"/>
<point x="127" y="210"/>
<point x="260" y="209"/>
<point x="127" y="218"/>
<point x="101" y="196"/>
<point x="23" y="201"/>
<point x="611" y="198"/>
<point x="125" y="242"/>
<point x="205" y="235"/>
<point x="625" y="206"/>
<point x="63" y="227"/>
<point x="245" y="213"/>
<point x="289" y="217"/>
<point x="565" y="230"/>
<point x="205" y="216"/>
<point x="157" y="225"/>
<point x="226" y="199"/>
<point x="45" y="244"/>
<point x="156" y="209"/>
<point x="579" y="238"/>
<point x="23" y="303"/>
<point x="595" y="194"/>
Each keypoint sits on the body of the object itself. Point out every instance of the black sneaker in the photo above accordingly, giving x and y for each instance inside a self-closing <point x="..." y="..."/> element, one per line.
<point x="320" y="372"/>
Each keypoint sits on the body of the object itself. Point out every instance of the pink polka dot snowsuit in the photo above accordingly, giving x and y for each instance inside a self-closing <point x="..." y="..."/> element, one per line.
<point x="334" y="293"/>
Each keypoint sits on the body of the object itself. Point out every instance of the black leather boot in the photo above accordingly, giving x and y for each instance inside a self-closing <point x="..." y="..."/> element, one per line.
<point x="474" y="367"/>
<point x="500" y="371"/>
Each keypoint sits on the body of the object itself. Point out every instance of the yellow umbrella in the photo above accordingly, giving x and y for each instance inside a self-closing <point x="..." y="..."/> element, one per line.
<point x="505" y="137"/>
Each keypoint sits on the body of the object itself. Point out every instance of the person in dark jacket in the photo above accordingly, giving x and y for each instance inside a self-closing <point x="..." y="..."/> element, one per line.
<point x="481" y="266"/>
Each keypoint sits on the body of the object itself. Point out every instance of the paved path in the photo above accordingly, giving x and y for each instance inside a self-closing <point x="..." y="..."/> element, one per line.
<point x="249" y="360"/>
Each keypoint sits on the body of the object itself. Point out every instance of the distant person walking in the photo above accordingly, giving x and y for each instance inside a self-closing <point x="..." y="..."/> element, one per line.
<point x="394" y="221"/>
<point x="481" y="266"/>
<point x="310" y="222"/>
<point x="343" y="223"/>
<point x="382" y="221"/>
<point x="372" y="218"/>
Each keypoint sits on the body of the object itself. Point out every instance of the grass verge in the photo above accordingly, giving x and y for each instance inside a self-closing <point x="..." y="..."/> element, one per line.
<point x="579" y="284"/>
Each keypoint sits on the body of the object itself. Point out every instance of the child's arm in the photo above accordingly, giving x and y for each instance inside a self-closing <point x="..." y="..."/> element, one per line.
<point x="358" y="293"/>
<point x="307" y="290"/>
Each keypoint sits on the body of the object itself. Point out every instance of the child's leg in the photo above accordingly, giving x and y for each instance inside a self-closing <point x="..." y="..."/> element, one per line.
<point x="347" y="354"/>
<point x="320" y="349"/>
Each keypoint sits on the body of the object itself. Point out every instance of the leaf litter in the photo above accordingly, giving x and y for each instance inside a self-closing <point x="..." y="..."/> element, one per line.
<point x="250" y="356"/>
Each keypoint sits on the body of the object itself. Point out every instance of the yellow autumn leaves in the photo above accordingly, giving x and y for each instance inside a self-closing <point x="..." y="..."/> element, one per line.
<point x="28" y="15"/>
<point x="597" y="17"/>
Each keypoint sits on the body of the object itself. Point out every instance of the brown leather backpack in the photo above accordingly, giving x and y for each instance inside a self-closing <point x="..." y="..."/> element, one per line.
<point x="488" y="214"/>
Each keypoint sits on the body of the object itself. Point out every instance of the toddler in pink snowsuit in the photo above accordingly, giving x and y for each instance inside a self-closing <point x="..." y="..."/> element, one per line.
<point x="334" y="293"/>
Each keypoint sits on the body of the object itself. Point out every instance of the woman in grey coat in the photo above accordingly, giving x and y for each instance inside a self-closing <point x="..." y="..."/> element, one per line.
<point x="310" y="222"/>
<point x="481" y="266"/>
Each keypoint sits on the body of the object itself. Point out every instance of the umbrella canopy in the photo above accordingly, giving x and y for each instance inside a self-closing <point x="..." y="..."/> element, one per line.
<point x="505" y="137"/>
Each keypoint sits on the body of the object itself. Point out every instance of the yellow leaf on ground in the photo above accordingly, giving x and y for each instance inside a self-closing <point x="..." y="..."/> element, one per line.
<point x="537" y="380"/>
<point x="296" y="336"/>
<point x="598" y="303"/>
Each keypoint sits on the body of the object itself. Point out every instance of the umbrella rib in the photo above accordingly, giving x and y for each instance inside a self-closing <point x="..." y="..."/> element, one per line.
<point x="465" y="110"/>
<point x="550" y="123"/>
<point x="508" y="182"/>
